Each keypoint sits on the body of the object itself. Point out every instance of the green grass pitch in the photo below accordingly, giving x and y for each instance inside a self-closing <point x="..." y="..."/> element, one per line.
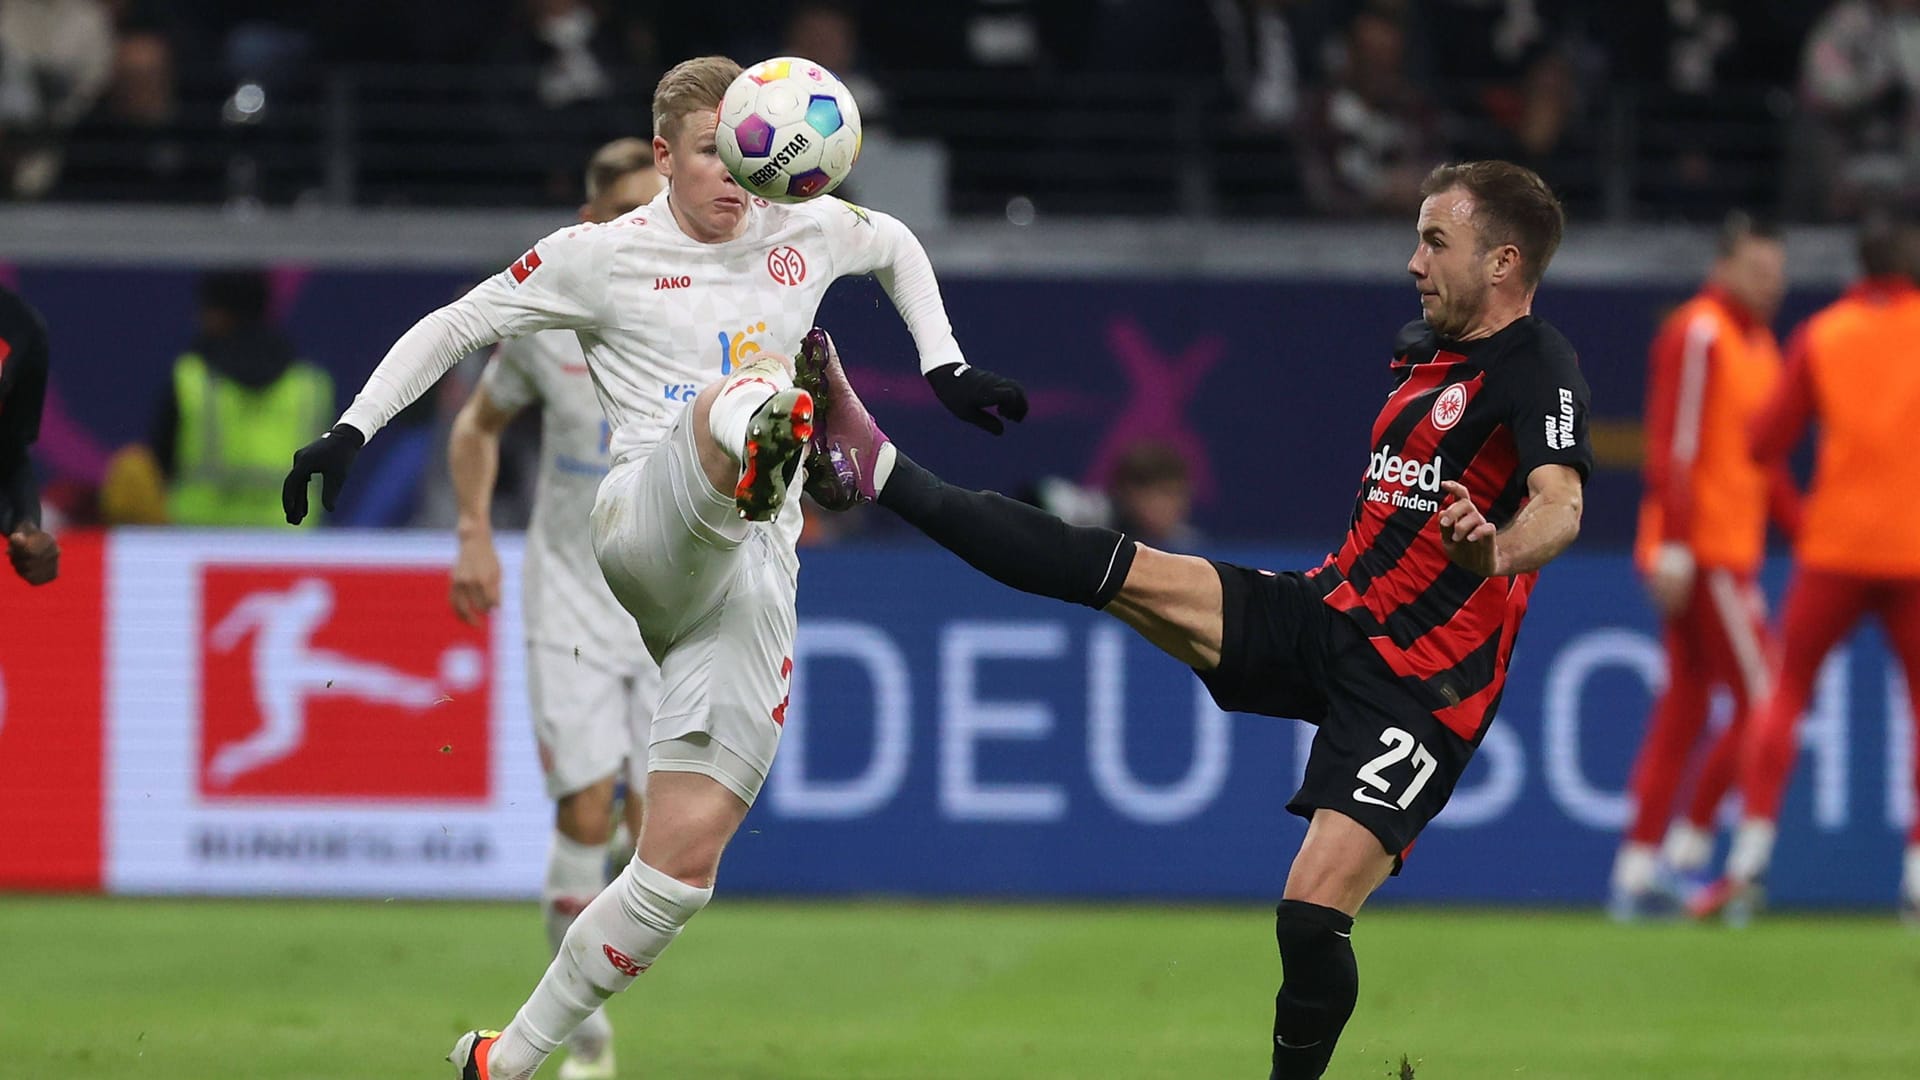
<point x="278" y="990"/>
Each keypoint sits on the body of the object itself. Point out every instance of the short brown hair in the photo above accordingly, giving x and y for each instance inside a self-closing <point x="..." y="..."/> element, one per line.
<point x="614" y="162"/>
<point x="1511" y="205"/>
<point x="689" y="86"/>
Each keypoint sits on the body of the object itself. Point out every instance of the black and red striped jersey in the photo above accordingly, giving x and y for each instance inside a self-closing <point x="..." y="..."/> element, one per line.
<point x="1485" y="413"/>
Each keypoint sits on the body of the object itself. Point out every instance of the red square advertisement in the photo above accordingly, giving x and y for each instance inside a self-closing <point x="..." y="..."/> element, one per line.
<point x="340" y="683"/>
<point x="51" y="723"/>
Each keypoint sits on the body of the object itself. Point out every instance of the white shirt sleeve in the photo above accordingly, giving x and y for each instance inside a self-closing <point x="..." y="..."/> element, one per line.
<point x="863" y="241"/>
<point x="506" y="379"/>
<point x="560" y="283"/>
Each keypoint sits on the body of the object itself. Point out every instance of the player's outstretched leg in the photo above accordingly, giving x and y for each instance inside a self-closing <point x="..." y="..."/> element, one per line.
<point x="1015" y="544"/>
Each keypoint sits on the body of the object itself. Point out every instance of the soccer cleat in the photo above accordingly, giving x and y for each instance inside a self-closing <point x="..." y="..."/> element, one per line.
<point x="470" y="1054"/>
<point x="1734" y="901"/>
<point x="846" y="442"/>
<point x="582" y="1068"/>
<point x="775" y="436"/>
<point x="1664" y="899"/>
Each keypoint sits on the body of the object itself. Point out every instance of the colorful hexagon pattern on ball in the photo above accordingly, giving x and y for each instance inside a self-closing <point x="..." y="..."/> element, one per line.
<point x="754" y="135"/>
<point x="789" y="130"/>
<point x="823" y="114"/>
<point x="810" y="183"/>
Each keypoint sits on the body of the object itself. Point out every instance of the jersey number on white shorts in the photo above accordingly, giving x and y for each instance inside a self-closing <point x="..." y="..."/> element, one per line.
<point x="1400" y="745"/>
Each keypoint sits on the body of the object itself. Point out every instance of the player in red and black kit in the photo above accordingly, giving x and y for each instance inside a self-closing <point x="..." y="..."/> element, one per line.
<point x="1397" y="646"/>
<point x="23" y="388"/>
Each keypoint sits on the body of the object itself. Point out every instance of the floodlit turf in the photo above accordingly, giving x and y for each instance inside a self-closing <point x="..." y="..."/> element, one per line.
<point x="171" y="990"/>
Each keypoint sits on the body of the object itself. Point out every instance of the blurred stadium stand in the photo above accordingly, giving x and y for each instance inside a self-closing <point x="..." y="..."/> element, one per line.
<point x="1223" y="108"/>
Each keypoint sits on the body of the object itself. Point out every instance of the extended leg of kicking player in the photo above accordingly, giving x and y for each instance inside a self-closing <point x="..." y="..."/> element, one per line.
<point x="1397" y="647"/>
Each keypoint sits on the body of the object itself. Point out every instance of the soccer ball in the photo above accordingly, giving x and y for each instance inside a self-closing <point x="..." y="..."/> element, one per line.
<point x="789" y="131"/>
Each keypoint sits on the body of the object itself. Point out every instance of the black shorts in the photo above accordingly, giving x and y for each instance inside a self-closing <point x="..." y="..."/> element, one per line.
<point x="1380" y="757"/>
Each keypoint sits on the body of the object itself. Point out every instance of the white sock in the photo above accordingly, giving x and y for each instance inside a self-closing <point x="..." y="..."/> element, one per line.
<point x="576" y="873"/>
<point x="883" y="466"/>
<point x="1634" y="868"/>
<point x="1752" y="850"/>
<point x="1687" y="847"/>
<point x="1910" y="880"/>
<point x="741" y="395"/>
<point x="620" y="935"/>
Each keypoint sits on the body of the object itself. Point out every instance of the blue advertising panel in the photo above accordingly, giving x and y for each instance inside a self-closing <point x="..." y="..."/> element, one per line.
<point x="1267" y="387"/>
<point x="947" y="736"/>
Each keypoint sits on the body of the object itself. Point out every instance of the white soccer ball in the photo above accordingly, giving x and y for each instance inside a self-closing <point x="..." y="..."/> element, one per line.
<point x="789" y="131"/>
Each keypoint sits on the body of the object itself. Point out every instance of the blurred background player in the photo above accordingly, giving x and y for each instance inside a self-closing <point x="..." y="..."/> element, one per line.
<point x="1401" y="638"/>
<point x="1703" y="531"/>
<point x="593" y="685"/>
<point x="23" y="390"/>
<point x="1850" y="370"/>
<point x="691" y="527"/>
<point x="239" y="403"/>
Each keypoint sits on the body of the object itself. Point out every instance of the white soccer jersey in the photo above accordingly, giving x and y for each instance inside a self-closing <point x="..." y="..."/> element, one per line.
<point x="565" y="601"/>
<point x="660" y="315"/>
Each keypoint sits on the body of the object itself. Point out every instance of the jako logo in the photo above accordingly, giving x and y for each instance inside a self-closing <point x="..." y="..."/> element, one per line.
<point x="323" y="681"/>
<point x="735" y="349"/>
<point x="1390" y="468"/>
<point x="680" y="282"/>
<point x="1560" y="428"/>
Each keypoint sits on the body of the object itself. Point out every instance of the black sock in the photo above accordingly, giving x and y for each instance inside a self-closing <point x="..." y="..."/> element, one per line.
<point x="1320" y="983"/>
<point x="1011" y="542"/>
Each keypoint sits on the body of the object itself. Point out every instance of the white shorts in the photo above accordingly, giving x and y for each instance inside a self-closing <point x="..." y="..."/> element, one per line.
<point x="713" y="596"/>
<point x="590" y="722"/>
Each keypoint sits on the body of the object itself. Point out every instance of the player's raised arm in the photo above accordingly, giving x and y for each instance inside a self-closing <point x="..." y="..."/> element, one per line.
<point x="560" y="283"/>
<point x="863" y="241"/>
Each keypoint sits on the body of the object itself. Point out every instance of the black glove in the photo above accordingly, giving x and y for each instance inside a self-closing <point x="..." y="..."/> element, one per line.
<point x="968" y="392"/>
<point x="330" y="455"/>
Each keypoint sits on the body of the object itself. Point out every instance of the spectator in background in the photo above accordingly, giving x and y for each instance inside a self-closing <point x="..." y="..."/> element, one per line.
<point x="1265" y="48"/>
<point x="1151" y="492"/>
<point x="132" y="145"/>
<point x="1370" y="138"/>
<point x="56" y="57"/>
<point x="574" y="52"/>
<point x="237" y="407"/>
<point x="826" y="33"/>
<point x="23" y="389"/>
<point x="1858" y="140"/>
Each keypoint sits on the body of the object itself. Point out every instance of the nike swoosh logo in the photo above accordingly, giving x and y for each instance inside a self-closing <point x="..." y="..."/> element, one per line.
<point x="853" y="455"/>
<point x="1361" y="794"/>
<point x="1285" y="1045"/>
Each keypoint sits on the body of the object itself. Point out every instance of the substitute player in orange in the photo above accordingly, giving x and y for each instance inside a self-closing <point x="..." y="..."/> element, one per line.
<point x="1851" y="370"/>
<point x="1703" y="530"/>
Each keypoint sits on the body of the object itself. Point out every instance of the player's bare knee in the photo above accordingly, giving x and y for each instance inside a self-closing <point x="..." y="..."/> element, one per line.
<point x="586" y="816"/>
<point x="1339" y="865"/>
<point x="1175" y="602"/>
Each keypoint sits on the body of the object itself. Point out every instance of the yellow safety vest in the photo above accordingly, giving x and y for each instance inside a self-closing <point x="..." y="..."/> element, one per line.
<point x="234" y="445"/>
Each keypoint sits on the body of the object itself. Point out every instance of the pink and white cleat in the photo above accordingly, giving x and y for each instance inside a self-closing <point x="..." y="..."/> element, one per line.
<point x="846" y="443"/>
